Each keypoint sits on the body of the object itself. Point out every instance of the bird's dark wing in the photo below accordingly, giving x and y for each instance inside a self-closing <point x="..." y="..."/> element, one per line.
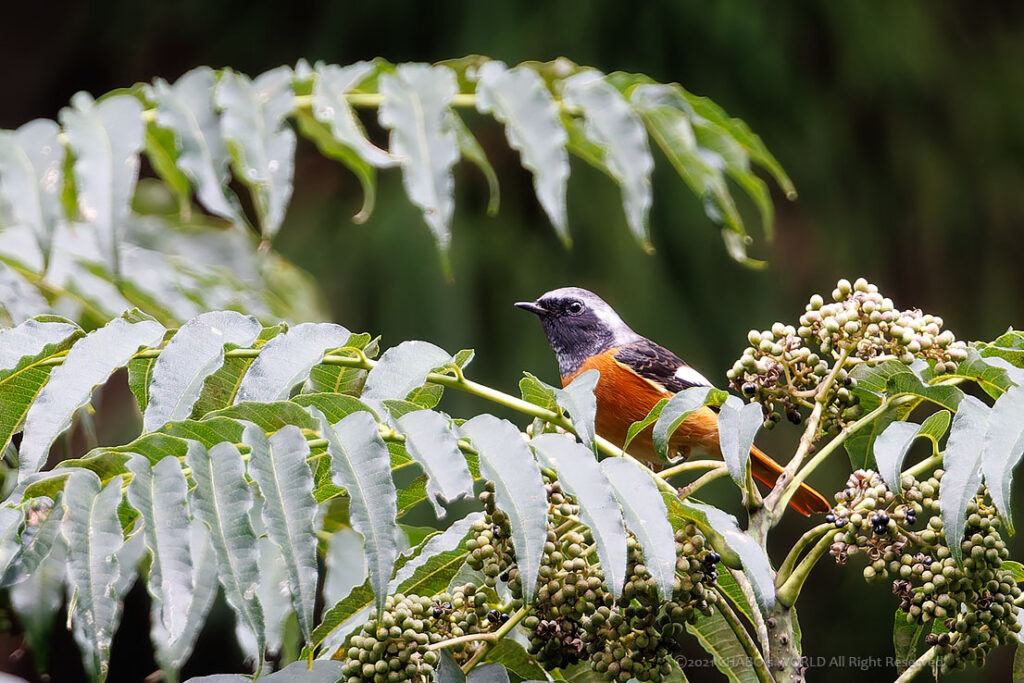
<point x="659" y="365"/>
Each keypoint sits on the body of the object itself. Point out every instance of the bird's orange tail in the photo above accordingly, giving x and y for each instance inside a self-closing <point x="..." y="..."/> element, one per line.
<point x="806" y="500"/>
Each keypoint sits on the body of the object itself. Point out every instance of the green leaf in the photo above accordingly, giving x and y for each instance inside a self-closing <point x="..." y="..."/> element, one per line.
<point x="471" y="150"/>
<point x="730" y="658"/>
<point x="194" y="353"/>
<point x="221" y="499"/>
<point x="664" y="111"/>
<point x="448" y="670"/>
<point x="646" y="517"/>
<point x="162" y="152"/>
<point x="1018" y="664"/>
<point x="426" y="570"/>
<point x="333" y="406"/>
<point x="1004" y="446"/>
<point x="87" y="365"/>
<point x="488" y="673"/>
<point x="539" y="393"/>
<point x="578" y="399"/>
<point x="287" y="359"/>
<point x="1008" y="346"/>
<point x="279" y="466"/>
<point x="403" y="368"/>
<point x="519" y="490"/>
<point x="520" y="100"/>
<point x="909" y="384"/>
<point x="95" y="575"/>
<point x="336" y="130"/>
<point x="37" y="539"/>
<point x="891" y="447"/>
<point x="415" y="109"/>
<point x="361" y="465"/>
<point x="338" y="379"/>
<point x="262" y="145"/>
<point x="1016" y="568"/>
<point x="992" y="379"/>
<point x="515" y="659"/>
<point x="678" y="408"/>
<point x="296" y="672"/>
<point x="221" y="387"/>
<point x="619" y="134"/>
<point x="581" y="476"/>
<point x="186" y="110"/>
<point x="19" y="299"/>
<point x="269" y="416"/>
<point x="905" y="637"/>
<point x="962" y="463"/>
<point x="432" y="443"/>
<point x="158" y="491"/>
<point x="172" y="655"/>
<point x="755" y="562"/>
<point x="22" y="373"/>
<point x="106" y="138"/>
<point x="641" y="425"/>
<point x="32" y="160"/>
<point x="330" y="107"/>
<point x="37" y="599"/>
<point x="738" y="423"/>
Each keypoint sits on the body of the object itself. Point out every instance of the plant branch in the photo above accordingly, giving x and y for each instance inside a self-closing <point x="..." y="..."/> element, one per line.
<point x="689" y="467"/>
<point x="756" y="659"/>
<point x="918" y="666"/>
<point x="702" y="480"/>
<point x="498" y="635"/>
<point x="928" y="464"/>
<point x="776" y="501"/>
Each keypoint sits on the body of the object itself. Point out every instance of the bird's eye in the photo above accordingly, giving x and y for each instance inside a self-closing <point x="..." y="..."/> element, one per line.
<point x="574" y="308"/>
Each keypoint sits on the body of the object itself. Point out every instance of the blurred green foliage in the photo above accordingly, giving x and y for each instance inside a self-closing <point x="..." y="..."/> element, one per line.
<point x="901" y="124"/>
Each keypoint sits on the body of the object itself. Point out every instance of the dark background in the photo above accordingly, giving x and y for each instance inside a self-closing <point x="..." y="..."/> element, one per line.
<point x="901" y="124"/>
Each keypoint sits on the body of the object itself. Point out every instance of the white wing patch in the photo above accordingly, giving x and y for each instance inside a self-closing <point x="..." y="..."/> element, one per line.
<point x="687" y="374"/>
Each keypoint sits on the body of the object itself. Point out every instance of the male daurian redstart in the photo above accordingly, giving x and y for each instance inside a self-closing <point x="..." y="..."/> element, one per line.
<point x="586" y="333"/>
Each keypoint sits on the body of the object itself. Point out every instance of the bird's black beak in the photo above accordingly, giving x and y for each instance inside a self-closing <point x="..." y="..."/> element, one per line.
<point x="532" y="307"/>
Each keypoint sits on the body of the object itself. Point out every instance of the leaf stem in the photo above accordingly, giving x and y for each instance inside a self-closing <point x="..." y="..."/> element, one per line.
<point x="706" y="478"/>
<point x="790" y="589"/>
<point x="688" y="467"/>
<point x="918" y="666"/>
<point x="925" y="465"/>
<point x="756" y="659"/>
<point x="810" y="537"/>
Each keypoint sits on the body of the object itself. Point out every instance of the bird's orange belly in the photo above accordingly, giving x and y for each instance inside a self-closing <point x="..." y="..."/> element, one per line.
<point x="623" y="398"/>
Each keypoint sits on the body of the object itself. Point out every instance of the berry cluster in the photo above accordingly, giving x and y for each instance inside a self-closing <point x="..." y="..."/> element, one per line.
<point x="970" y="605"/>
<point x="574" y="615"/>
<point x="784" y="366"/>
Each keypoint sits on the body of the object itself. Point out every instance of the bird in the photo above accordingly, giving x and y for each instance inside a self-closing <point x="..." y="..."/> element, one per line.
<point x="586" y="333"/>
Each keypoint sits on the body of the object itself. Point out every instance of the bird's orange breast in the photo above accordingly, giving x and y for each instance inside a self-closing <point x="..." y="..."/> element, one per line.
<point x="624" y="397"/>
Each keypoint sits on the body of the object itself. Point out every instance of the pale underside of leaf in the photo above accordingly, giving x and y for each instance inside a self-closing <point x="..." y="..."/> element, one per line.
<point x="287" y="359"/>
<point x="88" y="364"/>
<point x="194" y="353"/>
<point x="582" y="477"/>
<point x="403" y="368"/>
<point x="962" y="464"/>
<point x="432" y="443"/>
<point x="738" y="423"/>
<point x="520" y="100"/>
<point x="1004" y="445"/>
<point x="32" y="158"/>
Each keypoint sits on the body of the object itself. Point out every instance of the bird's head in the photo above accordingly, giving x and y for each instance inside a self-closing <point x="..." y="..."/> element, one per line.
<point x="579" y="324"/>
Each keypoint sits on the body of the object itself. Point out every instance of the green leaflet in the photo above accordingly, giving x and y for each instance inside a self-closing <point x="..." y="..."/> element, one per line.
<point x="221" y="499"/>
<point x="287" y="359"/>
<point x="721" y="643"/>
<point x="520" y="100"/>
<point x="646" y="516"/>
<point x="279" y="466"/>
<point x="88" y="364"/>
<point x="506" y="461"/>
<point x="678" y="408"/>
<point x="338" y="379"/>
<point x="22" y="372"/>
<point x="415" y="111"/>
<point x="106" y="138"/>
<point x="262" y="146"/>
<point x="619" y="136"/>
<point x="582" y="477"/>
